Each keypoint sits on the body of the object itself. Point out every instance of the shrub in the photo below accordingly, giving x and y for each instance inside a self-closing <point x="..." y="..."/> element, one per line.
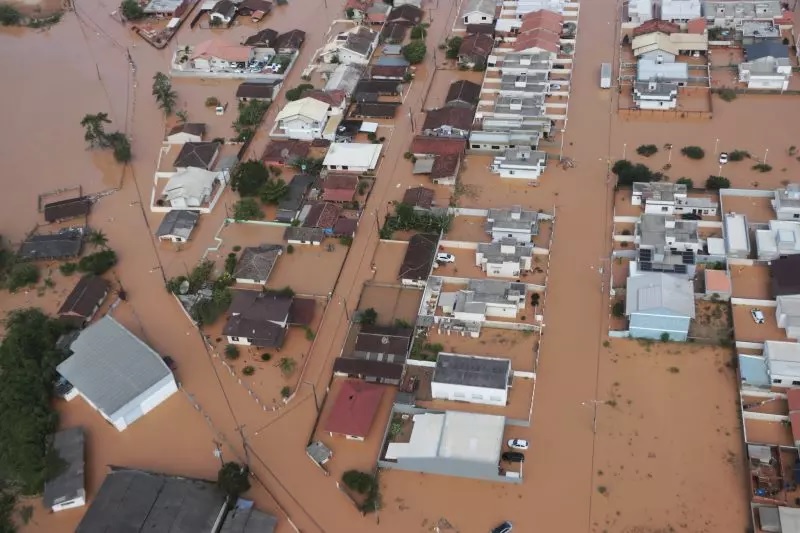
<point x="22" y="275"/>
<point x="237" y="248"/>
<point x="360" y="482"/>
<point x="297" y="92"/>
<point x="266" y="357"/>
<point x="232" y="351"/>
<point x="98" y="263"/>
<point x="535" y="299"/>
<point x="230" y="263"/>
<point x="286" y="392"/>
<point x="418" y="32"/>
<point x="618" y="309"/>
<point x="131" y="10"/>
<point x="9" y="16"/>
<point x="453" y="46"/>
<point x="686" y="181"/>
<point x="310" y="334"/>
<point x="287" y="366"/>
<point x="762" y="167"/>
<point x="345" y="240"/>
<point x="727" y="95"/>
<point x="414" y="52"/>
<point x="248" y="370"/>
<point x="664" y="337"/>
<point x="247" y="209"/>
<point x="68" y="269"/>
<point x="693" y="152"/>
<point x="716" y="183"/>
<point x="646" y="150"/>
<point x="212" y="101"/>
<point x="738" y="155"/>
<point x="627" y="173"/>
<point x="369" y="316"/>
<point x="233" y="479"/>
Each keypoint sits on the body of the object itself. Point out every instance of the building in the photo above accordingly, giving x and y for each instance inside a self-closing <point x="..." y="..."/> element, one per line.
<point x="505" y="258"/>
<point x="478" y="12"/>
<point x="354" y="409"/>
<point x="785" y="274"/>
<point x="405" y="14"/>
<point x="83" y="301"/>
<point x="343" y="78"/>
<point x="656" y="25"/>
<point x="783" y="363"/>
<point x="186" y="132"/>
<point x="474" y="51"/>
<point x="778" y="519"/>
<point x="67" y="209"/>
<point x="255" y="9"/>
<point x="304" y="119"/>
<point x="262" y="39"/>
<point x="450" y="443"/>
<point x="352" y="157"/>
<point x="222" y="13"/>
<point x="64" y="244"/>
<point x="540" y="33"/>
<point x="448" y="122"/>
<point x="463" y="93"/>
<point x="659" y="304"/>
<point x="497" y="142"/>
<point x="471" y="379"/>
<point x="787" y="315"/>
<point x="336" y="99"/>
<point x="191" y="188"/>
<point x="200" y="155"/>
<point x="289" y="206"/>
<point x="388" y="72"/>
<point x="67" y="489"/>
<point x="244" y="518"/>
<point x="640" y="11"/>
<point x="339" y="187"/>
<point x="291" y="41"/>
<point x="668" y="198"/>
<point x="116" y="373"/>
<point x="520" y="163"/>
<point x="441" y="169"/>
<point x="285" y="152"/>
<point x="781" y="239"/>
<point x="737" y="235"/>
<point x="665" y="244"/>
<point x="717" y="282"/>
<point x="420" y="198"/>
<point x="383" y="343"/>
<point x="418" y="260"/>
<point x="258" y="319"/>
<point x="300" y="235"/>
<point x="256" y="263"/>
<point x="515" y="223"/>
<point x="368" y="370"/>
<point x="733" y="13"/>
<point x="483" y="299"/>
<point x="786" y="202"/>
<point x="323" y="215"/>
<point x="666" y="47"/>
<point x="264" y="91"/>
<point x="767" y="66"/>
<point x="352" y="47"/>
<point x="374" y="110"/>
<point x="655" y="78"/>
<point x="219" y="54"/>
<point x="681" y="11"/>
<point x="177" y="226"/>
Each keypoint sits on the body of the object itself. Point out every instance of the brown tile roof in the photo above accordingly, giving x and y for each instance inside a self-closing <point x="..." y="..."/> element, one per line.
<point x="388" y="71"/>
<point x="479" y="45"/>
<point x="388" y="87"/>
<point x="487" y="29"/>
<point x="375" y="110"/>
<point x="291" y="39"/>
<point x="192" y="128"/>
<point x="66" y="209"/>
<point x="257" y="262"/>
<point x="253" y="315"/>
<point x="419" y="257"/>
<point x="406" y="14"/>
<point x="663" y="26"/>
<point x="322" y="215"/>
<point x="332" y="98"/>
<point x="419" y="197"/>
<point x="456" y="117"/>
<point x="361" y="5"/>
<point x="200" y="155"/>
<point x="345" y="227"/>
<point x="696" y="26"/>
<point x="383" y="340"/>
<point x="302" y="311"/>
<point x="339" y="187"/>
<point x="437" y="145"/>
<point x="85" y="297"/>
<point x="367" y="369"/>
<point x="445" y="166"/>
<point x="538" y="38"/>
<point x="354" y="408"/>
<point x="464" y="91"/>
<point x="542" y="19"/>
<point x="285" y="152"/>
<point x="264" y="38"/>
<point x="255" y="89"/>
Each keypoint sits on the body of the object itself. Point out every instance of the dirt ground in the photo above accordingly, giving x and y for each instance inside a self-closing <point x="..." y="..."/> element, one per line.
<point x="391" y="303"/>
<point x="712" y="321"/>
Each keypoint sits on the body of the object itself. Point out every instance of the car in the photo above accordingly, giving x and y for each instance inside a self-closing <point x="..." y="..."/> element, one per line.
<point x="513" y="457"/>
<point x="691" y="216"/>
<point x="505" y="527"/>
<point x="518" y="444"/>
<point x="445" y="258"/>
<point x="170" y="362"/>
<point x="555" y="86"/>
<point x="723" y="158"/>
<point x="758" y="316"/>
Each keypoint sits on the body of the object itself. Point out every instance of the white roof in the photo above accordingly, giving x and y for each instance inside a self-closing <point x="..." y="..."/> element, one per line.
<point x="782" y="351"/>
<point x="307" y="107"/>
<point x="790" y="519"/>
<point x="648" y="69"/>
<point x="353" y="155"/>
<point x="789" y="305"/>
<point x="736" y="233"/>
<point x="192" y="185"/>
<point x="716" y="245"/>
<point x="479" y="6"/>
<point x="369" y="127"/>
<point x="653" y="291"/>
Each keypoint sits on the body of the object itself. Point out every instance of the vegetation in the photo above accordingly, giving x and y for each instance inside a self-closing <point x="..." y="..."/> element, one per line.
<point x="22" y="275"/>
<point x="716" y="183"/>
<point x="297" y="92"/>
<point x="9" y="15"/>
<point x="419" y="31"/>
<point x="97" y="239"/>
<point x="287" y="366"/>
<point x="618" y="309"/>
<point x="406" y="219"/>
<point x="664" y="337"/>
<point x="212" y="101"/>
<point x="233" y="479"/>
<point x="207" y="311"/>
<point x="646" y="150"/>
<point x="247" y="209"/>
<point x="415" y="51"/>
<point x="131" y="10"/>
<point x="738" y="155"/>
<point x="686" y="181"/>
<point x="121" y="146"/>
<point x="453" y="46"/>
<point x="309" y="333"/>
<point x="286" y="392"/>
<point x="250" y="115"/>
<point x="231" y="351"/>
<point x="289" y="248"/>
<point x="273" y="191"/>
<point x="535" y="297"/>
<point x="94" y="126"/>
<point x="249" y="370"/>
<point x="249" y="177"/>
<point x="627" y="173"/>
<point x="368" y="317"/>
<point x="98" y="263"/>
<point x="693" y="152"/>
<point x="360" y="482"/>
<point x="164" y="93"/>
<point x="286" y="292"/>
<point x="230" y="263"/>
<point x="309" y="165"/>
<point x="68" y="269"/>
<point x="727" y="94"/>
<point x="762" y="167"/>
<point x="266" y="357"/>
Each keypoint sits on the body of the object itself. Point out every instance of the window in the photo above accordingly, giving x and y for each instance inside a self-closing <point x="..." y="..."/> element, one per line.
<point x="345" y="167"/>
<point x="796" y="215"/>
<point x="476" y="146"/>
<point x="776" y="381"/>
<point x="495" y="147"/>
<point x="795" y="382"/>
<point x="664" y="209"/>
<point x="477" y="396"/>
<point x="234" y="339"/>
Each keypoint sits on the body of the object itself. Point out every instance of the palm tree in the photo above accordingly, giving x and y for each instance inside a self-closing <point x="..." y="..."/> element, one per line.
<point x="166" y="100"/>
<point x="160" y="83"/>
<point x="287" y="366"/>
<point x="95" y="133"/>
<point x="97" y="239"/>
<point x="274" y="191"/>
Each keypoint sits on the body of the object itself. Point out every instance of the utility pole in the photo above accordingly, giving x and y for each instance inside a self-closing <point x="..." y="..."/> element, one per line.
<point x="244" y="445"/>
<point x="314" y="390"/>
<point x="594" y="404"/>
<point x="716" y="145"/>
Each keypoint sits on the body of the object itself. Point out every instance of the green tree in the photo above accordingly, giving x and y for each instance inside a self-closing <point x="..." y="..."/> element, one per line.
<point x="287" y="366"/>
<point x="415" y="51"/>
<point x="686" y="181"/>
<point x="250" y="115"/>
<point x="693" y="152"/>
<point x="628" y="173"/>
<point x="368" y="316"/>
<point x="9" y="15"/>
<point x="94" y="126"/>
<point x="121" y="145"/>
<point x="716" y="183"/>
<point x="453" y="47"/>
<point x="131" y="10"/>
<point x="247" y="209"/>
<point x="97" y="239"/>
<point x="98" y="263"/>
<point x="360" y="482"/>
<point x="165" y="95"/>
<point x="249" y="178"/>
<point x="230" y="263"/>
<point x="419" y="31"/>
<point x="233" y="479"/>
<point x="646" y="150"/>
<point x="618" y="309"/>
<point x="297" y="92"/>
<point x="274" y="191"/>
<point x="309" y="165"/>
<point x="22" y="275"/>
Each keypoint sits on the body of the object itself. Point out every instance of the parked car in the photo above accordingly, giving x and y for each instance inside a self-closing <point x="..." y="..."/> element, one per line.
<point x="513" y="457"/>
<point x="170" y="362"/>
<point x="505" y="527"/>
<point x="723" y="158"/>
<point x="445" y="258"/>
<point x="758" y="316"/>
<point x="691" y="216"/>
<point x="518" y="444"/>
<point x="555" y="86"/>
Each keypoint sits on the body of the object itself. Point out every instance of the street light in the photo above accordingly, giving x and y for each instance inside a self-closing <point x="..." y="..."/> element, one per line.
<point x="624" y="149"/>
<point x="716" y="145"/>
<point x="765" y="155"/>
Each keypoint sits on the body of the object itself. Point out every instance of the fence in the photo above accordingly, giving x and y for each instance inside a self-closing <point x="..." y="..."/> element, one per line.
<point x="631" y="112"/>
<point x="753" y="302"/>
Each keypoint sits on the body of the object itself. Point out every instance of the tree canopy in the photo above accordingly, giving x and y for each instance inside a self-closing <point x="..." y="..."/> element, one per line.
<point x="274" y="191"/>
<point x="131" y="10"/>
<point x="95" y="133"/>
<point x="165" y="95"/>
<point x="453" y="46"/>
<point x="249" y="177"/>
<point x="628" y="173"/>
<point x="297" y="92"/>
<point x="250" y="115"/>
<point x="415" y="51"/>
<point x="233" y="479"/>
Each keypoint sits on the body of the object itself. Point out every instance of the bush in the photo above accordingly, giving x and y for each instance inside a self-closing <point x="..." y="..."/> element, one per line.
<point x="693" y="152"/>
<point x="248" y="370"/>
<point x="286" y="392"/>
<point x="233" y="479"/>
<point x="247" y="209"/>
<point x="618" y="309"/>
<point x="762" y="167"/>
<point x="727" y="95"/>
<point x="266" y="357"/>
<point x="664" y="337"/>
<point x="627" y="173"/>
<point x="249" y="177"/>
<point x="22" y="275"/>
<point x="68" y="269"/>
<point x="738" y="155"/>
<point x="345" y="240"/>
<point x="287" y="366"/>
<point x="716" y="183"/>
<point x="289" y="249"/>
<point x="686" y="181"/>
<point x="368" y="317"/>
<point x="131" y="10"/>
<point x="230" y="263"/>
<point x="310" y="334"/>
<point x="98" y="263"/>
<point x="212" y="101"/>
<point x="360" y="482"/>
<point x="418" y="32"/>
<point x="414" y="52"/>
<point x="9" y="16"/>
<point x="231" y="351"/>
<point x="453" y="46"/>
<point x="646" y="150"/>
<point x="297" y="92"/>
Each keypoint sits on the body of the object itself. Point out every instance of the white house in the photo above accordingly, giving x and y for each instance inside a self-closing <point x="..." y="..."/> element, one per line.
<point x="504" y="259"/>
<point x="655" y="95"/>
<point x="787" y="315"/>
<point x="783" y="363"/>
<point x="781" y="239"/>
<point x="737" y="235"/>
<point x="484" y="299"/>
<point x="352" y="157"/>
<point x="116" y="373"/>
<point x="669" y="198"/>
<point x="727" y="14"/>
<point x="471" y="379"/>
<point x="680" y="11"/>
<point x="191" y="187"/>
<point x="640" y="11"/>
<point x="353" y="47"/>
<point x="303" y="119"/>
<point x="767" y="73"/>
<point x="520" y="163"/>
<point x="516" y="223"/>
<point x="664" y="244"/>
<point x="659" y="304"/>
<point x="186" y="132"/>
<point x="478" y="11"/>
<point x="67" y="489"/>
<point x="786" y="202"/>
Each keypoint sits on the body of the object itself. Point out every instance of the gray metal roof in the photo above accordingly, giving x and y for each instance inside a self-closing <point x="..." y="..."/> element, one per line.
<point x="656" y="291"/>
<point x="245" y="519"/>
<point x="514" y="218"/>
<point x="178" y="223"/>
<point x="472" y="371"/>
<point x="110" y="366"/>
<point x="319" y="452"/>
<point x="770" y="48"/>
<point x="69" y="484"/>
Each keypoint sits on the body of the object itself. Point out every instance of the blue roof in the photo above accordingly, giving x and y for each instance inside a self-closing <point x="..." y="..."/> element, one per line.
<point x="761" y="49"/>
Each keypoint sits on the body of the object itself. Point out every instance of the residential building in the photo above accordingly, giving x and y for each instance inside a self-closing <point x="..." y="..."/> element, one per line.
<point x="717" y="284"/>
<point x="767" y="66"/>
<point x="520" y="163"/>
<point x="265" y="38"/>
<point x="67" y="209"/>
<point x="487" y="29"/>
<point x="640" y="11"/>
<point x="374" y="110"/>
<point x="668" y="198"/>
<point x="191" y="188"/>
<point x="471" y="379"/>
<point x="418" y="260"/>
<point x="448" y="122"/>
<point x="787" y="315"/>
<point x="497" y="142"/>
<point x="65" y="243"/>
<point x="516" y="63"/>
<point x="650" y="70"/>
<point x="756" y="32"/>
<point x="478" y="11"/>
<point x="323" y="215"/>
<point x="368" y="370"/>
<point x="352" y="157"/>
<point x="388" y="72"/>
<point x="664" y="244"/>
<point x="505" y="258"/>
<point x="244" y="518"/>
<point x="116" y="373"/>
<point x="343" y="78"/>
<point x="258" y="319"/>
<point x="514" y="222"/>
<point x="405" y="14"/>
<point x="383" y="343"/>
<point x="655" y="95"/>
<point x="300" y="235"/>
<point x="420" y="198"/>
<point x="783" y="363"/>
<point x="482" y="300"/>
<point x="697" y="25"/>
<point x="353" y="47"/>
<point x="463" y="93"/>
<point x="786" y="202"/>
<point x="83" y="301"/>
<point x="368" y="90"/>
<point x="354" y="409"/>
<point x="474" y="51"/>
<point x="357" y="9"/>
<point x="285" y="152"/>
<point x="337" y="100"/>
<point x="264" y="91"/>
<point x="665" y="47"/>
<point x="289" y="206"/>
<point x="781" y="239"/>
<point x="656" y="25"/>
<point x="218" y="54"/>
<point x="177" y="225"/>
<point x="733" y="13"/>
<point x="255" y="264"/>
<point x="291" y="41"/>
<point x="67" y="489"/>
<point x="438" y="157"/>
<point x="525" y="105"/>
<point x="658" y="304"/>
<point x="680" y="11"/>
<point x="785" y="275"/>
<point x="737" y="235"/>
<point x="222" y="13"/>
<point x="304" y="119"/>
<point x="394" y="33"/>
<point x="540" y="32"/>
<point x="198" y="155"/>
<point x="339" y="187"/>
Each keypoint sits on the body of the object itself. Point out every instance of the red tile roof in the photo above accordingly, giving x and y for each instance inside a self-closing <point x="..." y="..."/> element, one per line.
<point x="284" y="152"/>
<point x="478" y="45"/>
<point x="339" y="187"/>
<point x="794" y="421"/>
<point x="333" y="98"/>
<point x="437" y="145"/>
<point x="456" y="117"/>
<point x="445" y="166"/>
<point x="354" y="409"/>
<point x="696" y="26"/>
<point x="538" y="38"/>
<point x="419" y="197"/>
<point x="361" y="5"/>
<point x="664" y="26"/>
<point x="322" y="215"/>
<point x="793" y="397"/>
<point x="542" y="19"/>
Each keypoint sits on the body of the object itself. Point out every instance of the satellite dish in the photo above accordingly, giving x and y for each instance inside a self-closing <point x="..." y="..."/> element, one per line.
<point x="184" y="288"/>
<point x="384" y="340"/>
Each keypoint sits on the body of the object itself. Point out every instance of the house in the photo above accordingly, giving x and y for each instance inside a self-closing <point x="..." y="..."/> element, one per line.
<point x="371" y="371"/>
<point x="390" y="60"/>
<point x="67" y="209"/>
<point x="418" y="260"/>
<point x="352" y="157"/>
<point x="515" y="222"/>
<point x="394" y="32"/>
<point x="680" y="11"/>
<point x="757" y="32"/>
<point x="781" y="239"/>
<point x="664" y="244"/>
<point x="223" y="12"/>
<point x="717" y="282"/>
<point x="244" y="518"/>
<point x="420" y="198"/>
<point x="483" y="299"/>
<point x="737" y="235"/>
<point x="323" y="215"/>
<point x="67" y="489"/>
<point x="732" y="13"/>
<point x="654" y="94"/>
<point x="216" y="54"/>
<point x="785" y="273"/>
<point x="343" y="78"/>
<point x="345" y="227"/>
<point x="668" y="198"/>
<point x="357" y="9"/>
<point x="439" y="157"/>
<point x="659" y="304"/>
<point x="265" y="38"/>
<point x="354" y="47"/>
<point x="65" y="243"/>
<point x="285" y="152"/>
<point x="406" y="15"/>
<point x="471" y="379"/>
<point x="255" y="264"/>
<point x="423" y="146"/>
<point x="337" y="99"/>
<point x="187" y="132"/>
<point x="191" y="188"/>
<point x="787" y="315"/>
<point x="258" y="319"/>
<point x="655" y="25"/>
<point x="300" y="235"/>
<point x="291" y="41"/>
<point x="83" y="301"/>
<point x="289" y="206"/>
<point x="116" y="373"/>
<point x="640" y="11"/>
<point x="463" y="93"/>
<point x="200" y="155"/>
<point x="540" y="32"/>
<point x="767" y="66"/>
<point x="154" y="502"/>
<point x="520" y="163"/>
<point x="264" y="91"/>
<point x="177" y="225"/>
<point x="783" y="363"/>
<point x="388" y="72"/>
<point x="497" y="142"/>
<point x="378" y="87"/>
<point x="375" y="110"/>
<point x="697" y="25"/>
<point x="486" y="29"/>
<point x="383" y="343"/>
<point x="505" y="258"/>
<point x="474" y="51"/>
<point x="376" y="13"/>
<point x="665" y="47"/>
<point x="478" y="11"/>
<point x="448" y="122"/>
<point x="257" y="9"/>
<point x="786" y="202"/>
<point x="354" y="409"/>
<point x="339" y="187"/>
<point x="303" y="119"/>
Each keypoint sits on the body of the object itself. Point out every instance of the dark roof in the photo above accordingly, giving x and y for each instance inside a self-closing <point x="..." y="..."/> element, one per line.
<point x="264" y="38"/>
<point x="66" y="209"/>
<point x="456" y="117"/>
<point x="332" y="98"/>
<point x="178" y="222"/>
<point x="251" y="6"/>
<point x="192" y="128"/>
<point x="302" y="311"/>
<point x="486" y="29"/>
<point x="464" y="91"/>
<point x="766" y="48"/>
<point x="291" y="39"/>
<point x="785" y="274"/>
<point x="390" y="87"/>
<point x="253" y="315"/>
<point x="405" y="13"/>
<point x="285" y="152"/>
<point x="200" y="155"/>
<point x="85" y="297"/>
<point x="225" y="8"/>
<point x="297" y="191"/>
<point x="309" y="235"/>
<point x="322" y="215"/>
<point x="255" y="89"/>
<point x="394" y="31"/>
<point x="366" y="368"/>
<point x="345" y="227"/>
<point x="445" y="166"/>
<point x="383" y="340"/>
<point x="477" y="45"/>
<point x="437" y="145"/>
<point x="650" y="26"/>
<point x="354" y="408"/>
<point x="360" y="41"/>
<point x="419" y="197"/>
<point x="69" y="444"/>
<point x="138" y="501"/>
<point x="246" y="519"/>
<point x="419" y="257"/>
<point x="66" y="243"/>
<point x="484" y="372"/>
<point x="388" y="71"/>
<point x="257" y="262"/>
<point x="375" y="110"/>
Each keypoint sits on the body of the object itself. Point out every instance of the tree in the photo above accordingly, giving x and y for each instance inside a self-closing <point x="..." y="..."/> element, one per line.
<point x="415" y="51"/>
<point x="716" y="183"/>
<point x="232" y="351"/>
<point x="97" y="239"/>
<point x="131" y="10"/>
<point x="646" y="150"/>
<point x="297" y="92"/>
<point x="274" y="191"/>
<point x="22" y="275"/>
<point x="419" y="31"/>
<point x="207" y="311"/>
<point x="360" y="482"/>
<point x="309" y="165"/>
<point x="350" y="12"/>
<point x="287" y="366"/>
<point x="628" y="173"/>
<point x="738" y="155"/>
<point x="453" y="46"/>
<point x="693" y="152"/>
<point x="9" y="16"/>
<point x="618" y="309"/>
<point x="247" y="209"/>
<point x="165" y="95"/>
<point x="98" y="263"/>
<point x="686" y="181"/>
<point x="249" y="178"/>
<point x="230" y="263"/>
<point x="95" y="133"/>
<point x="250" y="115"/>
<point x="233" y="479"/>
<point x="121" y="145"/>
<point x="369" y="316"/>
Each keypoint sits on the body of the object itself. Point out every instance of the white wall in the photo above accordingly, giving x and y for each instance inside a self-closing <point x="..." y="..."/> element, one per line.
<point x="463" y="393"/>
<point x="79" y="501"/>
<point x="504" y="311"/>
<point x="477" y="18"/>
<point x="144" y="403"/>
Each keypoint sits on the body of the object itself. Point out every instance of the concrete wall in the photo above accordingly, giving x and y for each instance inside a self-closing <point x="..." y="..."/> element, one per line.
<point x="469" y="394"/>
<point x="145" y="402"/>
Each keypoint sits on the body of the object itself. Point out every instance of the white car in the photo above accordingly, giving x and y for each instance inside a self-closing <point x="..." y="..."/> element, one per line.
<point x="445" y="258"/>
<point x="758" y="316"/>
<point x="518" y="444"/>
<point x="555" y="86"/>
<point x="723" y="158"/>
